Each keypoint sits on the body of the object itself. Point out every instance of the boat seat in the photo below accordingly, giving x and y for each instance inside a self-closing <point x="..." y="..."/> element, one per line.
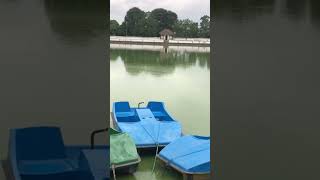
<point x="157" y="108"/>
<point x="123" y="111"/>
<point x="158" y="114"/>
<point x="44" y="166"/>
<point x="39" y="153"/>
<point x="125" y="114"/>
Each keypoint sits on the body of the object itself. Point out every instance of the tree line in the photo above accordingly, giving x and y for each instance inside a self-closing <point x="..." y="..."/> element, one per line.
<point x="149" y="24"/>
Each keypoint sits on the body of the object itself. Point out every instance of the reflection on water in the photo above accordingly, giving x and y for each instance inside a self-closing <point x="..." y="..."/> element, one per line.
<point x="158" y="63"/>
<point x="266" y="94"/>
<point x="181" y="79"/>
<point x="46" y="77"/>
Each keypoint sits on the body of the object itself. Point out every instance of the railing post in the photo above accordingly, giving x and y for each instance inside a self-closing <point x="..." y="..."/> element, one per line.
<point x="93" y="135"/>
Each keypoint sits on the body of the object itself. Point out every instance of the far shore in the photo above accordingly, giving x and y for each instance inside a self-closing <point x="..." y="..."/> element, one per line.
<point x="202" y="42"/>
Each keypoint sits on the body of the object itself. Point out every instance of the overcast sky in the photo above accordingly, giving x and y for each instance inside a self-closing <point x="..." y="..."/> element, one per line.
<point x="192" y="9"/>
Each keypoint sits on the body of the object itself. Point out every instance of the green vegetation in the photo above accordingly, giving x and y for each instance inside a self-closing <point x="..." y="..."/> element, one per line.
<point x="149" y="24"/>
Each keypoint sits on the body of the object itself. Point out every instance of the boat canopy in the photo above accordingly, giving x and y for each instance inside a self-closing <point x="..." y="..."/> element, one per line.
<point x="122" y="149"/>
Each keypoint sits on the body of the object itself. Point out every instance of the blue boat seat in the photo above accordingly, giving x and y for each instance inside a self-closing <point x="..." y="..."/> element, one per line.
<point x="158" y="114"/>
<point x="38" y="153"/>
<point x="123" y="109"/>
<point x="156" y="106"/>
<point x="44" y="166"/>
<point x="123" y="112"/>
<point x="159" y="111"/>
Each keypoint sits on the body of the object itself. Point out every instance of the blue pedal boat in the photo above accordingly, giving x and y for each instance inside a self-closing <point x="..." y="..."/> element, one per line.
<point x="190" y="155"/>
<point x="39" y="153"/>
<point x="149" y="126"/>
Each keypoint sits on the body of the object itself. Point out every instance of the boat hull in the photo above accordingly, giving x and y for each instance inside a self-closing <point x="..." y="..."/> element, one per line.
<point x="186" y="176"/>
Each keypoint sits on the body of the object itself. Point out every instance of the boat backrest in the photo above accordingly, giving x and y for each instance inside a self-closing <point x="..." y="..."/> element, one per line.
<point x="121" y="106"/>
<point x="156" y="106"/>
<point x="38" y="143"/>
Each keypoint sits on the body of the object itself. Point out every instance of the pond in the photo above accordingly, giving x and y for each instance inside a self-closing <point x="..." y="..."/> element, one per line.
<point x="180" y="77"/>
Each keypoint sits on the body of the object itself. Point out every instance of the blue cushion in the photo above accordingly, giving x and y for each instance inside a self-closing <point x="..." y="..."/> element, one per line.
<point x="158" y="114"/>
<point x="39" y="143"/>
<point x="122" y="106"/>
<point x="70" y="175"/>
<point x="44" y="166"/>
<point x="124" y="114"/>
<point x="156" y="106"/>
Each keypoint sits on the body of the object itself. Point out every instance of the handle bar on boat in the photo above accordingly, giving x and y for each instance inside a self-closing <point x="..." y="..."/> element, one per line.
<point x="94" y="133"/>
<point x="139" y="104"/>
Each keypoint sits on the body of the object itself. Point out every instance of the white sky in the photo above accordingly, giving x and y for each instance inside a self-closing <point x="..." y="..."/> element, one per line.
<point x="191" y="9"/>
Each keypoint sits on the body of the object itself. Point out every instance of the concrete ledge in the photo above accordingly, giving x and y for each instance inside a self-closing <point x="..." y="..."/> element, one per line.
<point x="161" y="43"/>
<point x="202" y="42"/>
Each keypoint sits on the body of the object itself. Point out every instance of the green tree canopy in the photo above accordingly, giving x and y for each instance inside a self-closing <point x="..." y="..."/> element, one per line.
<point x="114" y="26"/>
<point x="165" y="18"/>
<point x="186" y="28"/>
<point x="205" y="26"/>
<point x="149" y="24"/>
<point x="135" y="22"/>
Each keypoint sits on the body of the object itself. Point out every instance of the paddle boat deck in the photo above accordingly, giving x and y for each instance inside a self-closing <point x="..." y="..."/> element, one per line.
<point x="149" y="127"/>
<point x="189" y="155"/>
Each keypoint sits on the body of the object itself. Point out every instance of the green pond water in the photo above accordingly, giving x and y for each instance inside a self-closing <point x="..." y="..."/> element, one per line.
<point x="180" y="78"/>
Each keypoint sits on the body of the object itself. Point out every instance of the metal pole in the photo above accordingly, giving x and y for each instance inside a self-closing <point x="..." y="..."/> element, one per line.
<point x="139" y="104"/>
<point x="155" y="157"/>
<point x="114" y="172"/>
<point x="93" y="135"/>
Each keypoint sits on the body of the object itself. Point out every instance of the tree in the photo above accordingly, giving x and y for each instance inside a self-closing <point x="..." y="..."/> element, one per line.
<point x="205" y="26"/>
<point x="114" y="26"/>
<point x="151" y="26"/>
<point x="135" y="22"/>
<point x="121" y="31"/>
<point x="186" y="28"/>
<point x="164" y="18"/>
<point x="170" y="19"/>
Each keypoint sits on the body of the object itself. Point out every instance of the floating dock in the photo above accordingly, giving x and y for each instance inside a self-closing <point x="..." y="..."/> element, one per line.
<point x="202" y="42"/>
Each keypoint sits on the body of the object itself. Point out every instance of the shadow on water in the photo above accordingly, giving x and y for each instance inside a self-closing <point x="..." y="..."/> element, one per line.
<point x="266" y="91"/>
<point x="158" y="63"/>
